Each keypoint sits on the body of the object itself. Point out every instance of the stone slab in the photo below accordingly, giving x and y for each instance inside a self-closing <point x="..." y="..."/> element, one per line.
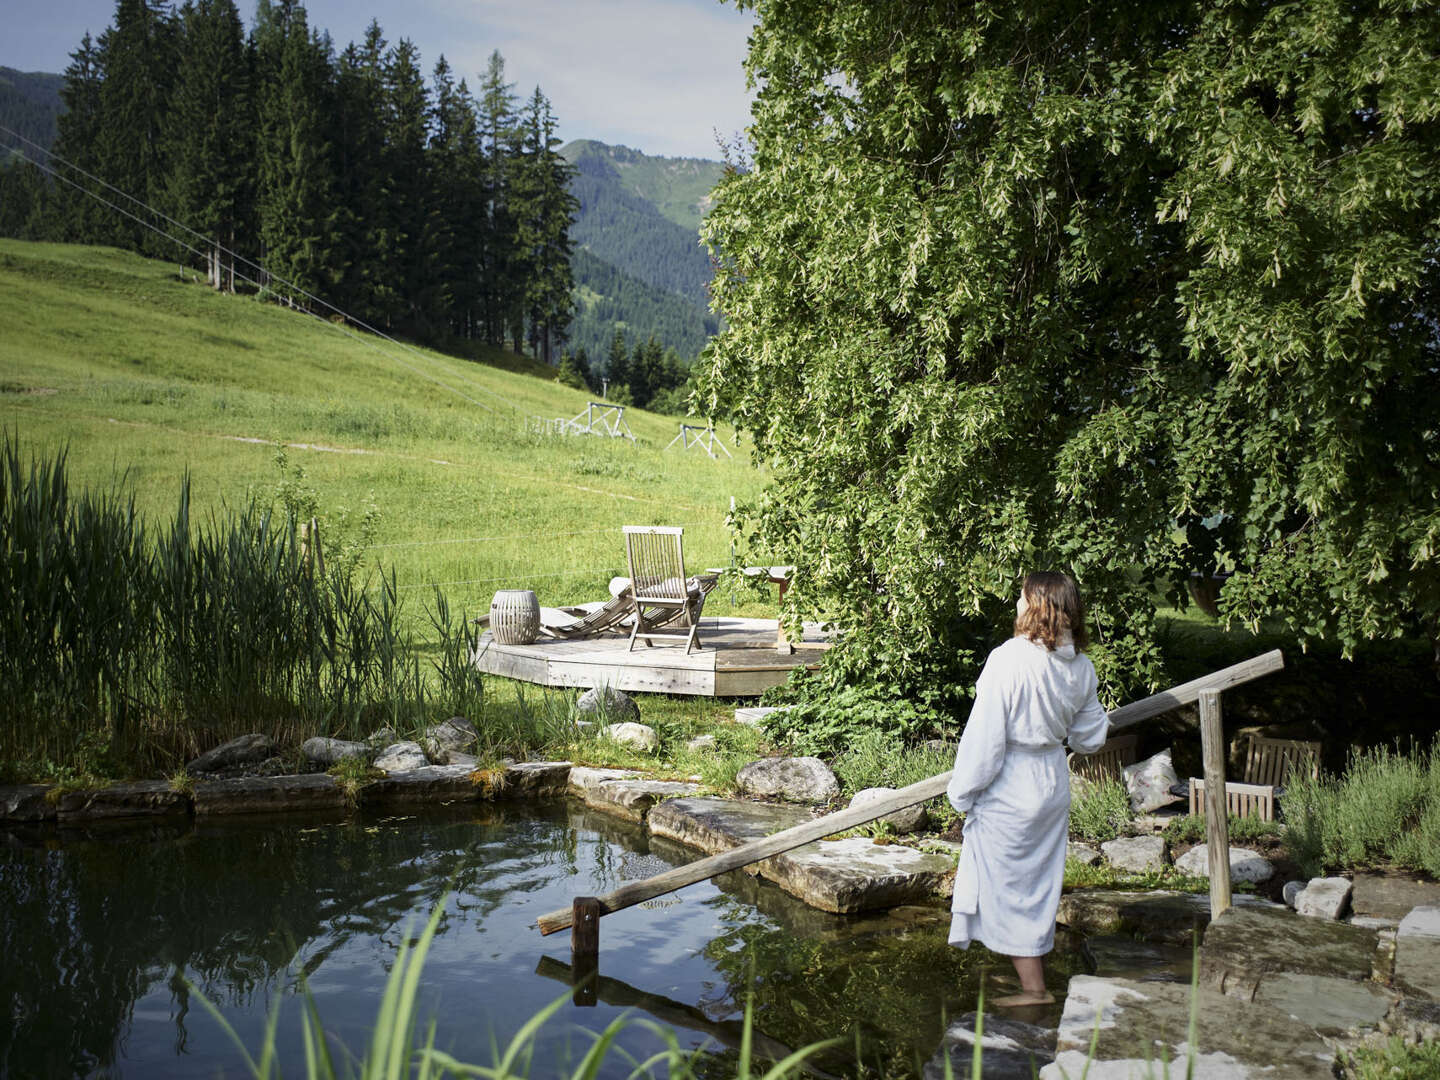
<point x="268" y="795"/>
<point x="1141" y="1023"/>
<point x="26" y="802"/>
<point x="584" y="777"/>
<point x="1245" y="864"/>
<point x="753" y="714"/>
<point x="1324" y="898"/>
<point x="1122" y="956"/>
<point x="1136" y="854"/>
<point x="1244" y="945"/>
<point x="632" y="799"/>
<point x="1391" y="896"/>
<point x="430" y="784"/>
<point x="536" y="779"/>
<point x="1417" y="952"/>
<point x="715" y="825"/>
<point x="1164" y="916"/>
<point x="857" y="874"/>
<point x="144" y="798"/>
<point x="1333" y="1007"/>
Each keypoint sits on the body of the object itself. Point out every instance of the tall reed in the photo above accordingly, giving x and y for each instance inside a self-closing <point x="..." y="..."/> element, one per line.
<point x="122" y="652"/>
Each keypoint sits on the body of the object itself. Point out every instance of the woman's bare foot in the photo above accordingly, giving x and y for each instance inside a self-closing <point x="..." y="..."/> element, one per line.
<point x="1025" y="997"/>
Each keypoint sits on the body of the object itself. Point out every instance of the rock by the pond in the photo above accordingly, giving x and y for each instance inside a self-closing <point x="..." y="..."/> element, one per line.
<point x="1122" y="956"/>
<point x="857" y="874"/>
<point x="1011" y="1049"/>
<point x="268" y="794"/>
<point x="139" y="799"/>
<point x="455" y="757"/>
<point x="1136" y="854"/>
<point x="633" y="799"/>
<point x="1164" y="916"/>
<point x="908" y="820"/>
<point x="327" y="752"/>
<point x="238" y="751"/>
<point x="1139" y="1023"/>
<point x="26" y="802"/>
<point x="454" y="736"/>
<point x="701" y="743"/>
<point x="1245" y="865"/>
<point x="1324" y="898"/>
<point x="1417" y="952"/>
<point x="715" y="825"/>
<point x="427" y="784"/>
<point x="607" y="703"/>
<point x="401" y="757"/>
<point x="798" y="779"/>
<point x="1291" y="890"/>
<point x="536" y="779"/>
<point x="1333" y="1007"/>
<point x="1246" y="944"/>
<point x="636" y="736"/>
<point x="582" y="778"/>
<point x="1083" y="854"/>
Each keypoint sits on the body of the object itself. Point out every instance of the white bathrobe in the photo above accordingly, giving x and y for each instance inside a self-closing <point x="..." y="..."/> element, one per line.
<point x="1013" y="785"/>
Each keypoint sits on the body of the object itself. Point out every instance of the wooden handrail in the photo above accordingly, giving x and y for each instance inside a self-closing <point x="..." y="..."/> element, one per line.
<point x="787" y="840"/>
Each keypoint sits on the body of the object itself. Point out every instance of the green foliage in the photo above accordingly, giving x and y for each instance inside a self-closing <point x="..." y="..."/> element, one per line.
<point x="1396" y="1060"/>
<point x="1137" y="292"/>
<point x="1100" y="810"/>
<point x="1191" y="829"/>
<point x="875" y="758"/>
<point x="1385" y="808"/>
<point x="832" y="724"/>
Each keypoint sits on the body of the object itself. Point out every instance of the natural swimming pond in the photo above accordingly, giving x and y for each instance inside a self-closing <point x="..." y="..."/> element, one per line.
<point x="105" y="930"/>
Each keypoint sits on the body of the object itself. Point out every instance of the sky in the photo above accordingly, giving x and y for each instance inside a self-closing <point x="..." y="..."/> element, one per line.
<point x="660" y="76"/>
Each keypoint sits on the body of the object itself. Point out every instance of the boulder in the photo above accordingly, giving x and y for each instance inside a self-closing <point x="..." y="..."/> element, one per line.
<point x="239" y="751"/>
<point x="607" y="703"/>
<point x="26" y="802"/>
<point x="701" y="743"/>
<point x="1417" y="952"/>
<point x="1324" y="898"/>
<point x="454" y="736"/>
<point x="800" y="779"/>
<point x="1245" y="865"/>
<point x="1136" y="854"/>
<point x="1012" y="1049"/>
<point x="1246" y="944"/>
<point x="1137" y="1025"/>
<point x="535" y="779"/>
<point x="401" y="757"/>
<point x="582" y="778"/>
<point x="327" y="752"/>
<point x="636" y="736"/>
<point x="1083" y="854"/>
<point x="910" y="819"/>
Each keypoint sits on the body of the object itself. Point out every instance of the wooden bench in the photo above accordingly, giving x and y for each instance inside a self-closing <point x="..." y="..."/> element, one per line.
<point x="1107" y="763"/>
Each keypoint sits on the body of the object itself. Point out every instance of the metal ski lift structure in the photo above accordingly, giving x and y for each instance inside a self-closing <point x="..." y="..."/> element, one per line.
<point x="704" y="437"/>
<point x="599" y="418"/>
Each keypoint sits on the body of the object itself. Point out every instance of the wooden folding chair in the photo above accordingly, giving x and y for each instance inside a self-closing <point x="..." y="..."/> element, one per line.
<point x="1241" y="800"/>
<point x="656" y="557"/>
<point x="1272" y="761"/>
<point x="1108" y="762"/>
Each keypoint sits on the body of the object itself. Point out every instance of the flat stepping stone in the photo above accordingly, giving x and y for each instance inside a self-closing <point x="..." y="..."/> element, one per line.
<point x="1141" y="1023"/>
<point x="1391" y="896"/>
<point x="1336" y="1008"/>
<point x="857" y="874"/>
<point x="714" y="825"/>
<point x="1122" y="956"/>
<point x="1245" y="945"/>
<point x="1417" y="952"/>
<point x="583" y="777"/>
<point x="623" y="793"/>
<point x="1163" y="916"/>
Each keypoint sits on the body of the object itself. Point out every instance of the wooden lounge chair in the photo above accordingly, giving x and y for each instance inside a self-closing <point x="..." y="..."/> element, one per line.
<point x="663" y="595"/>
<point x="608" y="616"/>
<point x="1269" y="764"/>
<point x="1108" y="762"/>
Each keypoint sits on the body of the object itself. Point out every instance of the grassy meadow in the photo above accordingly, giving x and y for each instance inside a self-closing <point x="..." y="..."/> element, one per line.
<point x="146" y="376"/>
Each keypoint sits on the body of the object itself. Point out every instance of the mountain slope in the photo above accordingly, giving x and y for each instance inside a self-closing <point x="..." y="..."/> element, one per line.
<point x="678" y="187"/>
<point x="607" y="299"/>
<point x="30" y="103"/>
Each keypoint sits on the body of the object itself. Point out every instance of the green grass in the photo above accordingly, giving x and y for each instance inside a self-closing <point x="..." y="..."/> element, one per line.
<point x="140" y="373"/>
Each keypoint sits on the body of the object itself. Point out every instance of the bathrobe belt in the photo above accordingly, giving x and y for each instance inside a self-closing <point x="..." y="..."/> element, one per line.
<point x="1031" y="748"/>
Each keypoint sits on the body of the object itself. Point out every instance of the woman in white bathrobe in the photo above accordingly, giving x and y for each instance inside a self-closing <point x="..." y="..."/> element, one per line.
<point x="1036" y="692"/>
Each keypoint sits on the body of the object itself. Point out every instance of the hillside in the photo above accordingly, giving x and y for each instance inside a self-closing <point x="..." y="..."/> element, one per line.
<point x="607" y="298"/>
<point x="141" y="374"/>
<point x="30" y="103"/>
<point x="678" y="187"/>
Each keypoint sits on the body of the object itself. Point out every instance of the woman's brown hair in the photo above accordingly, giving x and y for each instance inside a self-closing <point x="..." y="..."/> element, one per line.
<point x="1054" y="611"/>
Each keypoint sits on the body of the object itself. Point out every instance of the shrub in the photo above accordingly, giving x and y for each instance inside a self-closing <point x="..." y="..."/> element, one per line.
<point x="1100" y="810"/>
<point x="836" y="723"/>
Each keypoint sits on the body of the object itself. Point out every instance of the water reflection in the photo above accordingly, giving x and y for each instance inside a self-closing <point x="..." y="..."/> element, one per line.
<point x="102" y="928"/>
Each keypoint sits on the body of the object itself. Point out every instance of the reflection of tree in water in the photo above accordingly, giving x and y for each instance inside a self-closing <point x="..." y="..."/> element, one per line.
<point x="93" y="922"/>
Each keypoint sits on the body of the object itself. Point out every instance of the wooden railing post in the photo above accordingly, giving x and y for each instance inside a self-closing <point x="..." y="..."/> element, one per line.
<point x="585" y="912"/>
<point x="1217" y="815"/>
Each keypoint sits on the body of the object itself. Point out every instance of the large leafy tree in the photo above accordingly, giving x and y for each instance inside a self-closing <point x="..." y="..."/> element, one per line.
<point x="1139" y="290"/>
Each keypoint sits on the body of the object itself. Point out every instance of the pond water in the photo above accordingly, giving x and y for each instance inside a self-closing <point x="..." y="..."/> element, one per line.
<point x="105" y="932"/>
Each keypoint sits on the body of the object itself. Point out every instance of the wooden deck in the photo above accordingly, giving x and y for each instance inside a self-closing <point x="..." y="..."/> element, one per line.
<point x="736" y="658"/>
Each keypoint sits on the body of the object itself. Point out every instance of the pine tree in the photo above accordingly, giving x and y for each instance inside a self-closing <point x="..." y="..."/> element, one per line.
<point x="404" y="248"/>
<point x="362" y="213"/>
<point x="498" y="296"/>
<point x="208" y="132"/>
<point x="617" y="363"/>
<point x="455" y="170"/>
<point x="77" y="216"/>
<point x="544" y="210"/>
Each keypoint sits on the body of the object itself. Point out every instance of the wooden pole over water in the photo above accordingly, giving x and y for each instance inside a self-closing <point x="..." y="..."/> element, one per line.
<point x="1217" y="817"/>
<point x="777" y="844"/>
